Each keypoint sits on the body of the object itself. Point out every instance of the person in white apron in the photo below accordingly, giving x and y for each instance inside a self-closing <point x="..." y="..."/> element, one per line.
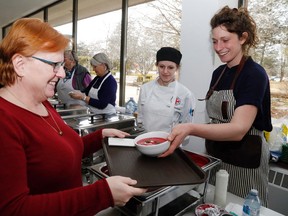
<point x="77" y="79"/>
<point x="64" y="87"/>
<point x="238" y="105"/>
<point x="100" y="95"/>
<point x="165" y="102"/>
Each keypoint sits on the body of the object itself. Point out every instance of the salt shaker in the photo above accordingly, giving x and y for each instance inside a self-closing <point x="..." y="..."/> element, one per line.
<point x="221" y="188"/>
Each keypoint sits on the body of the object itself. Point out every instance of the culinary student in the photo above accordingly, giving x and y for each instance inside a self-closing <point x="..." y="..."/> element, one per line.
<point x="165" y="102"/>
<point x="238" y="104"/>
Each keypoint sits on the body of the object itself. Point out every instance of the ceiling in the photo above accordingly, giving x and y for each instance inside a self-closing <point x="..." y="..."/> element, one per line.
<point x="10" y="10"/>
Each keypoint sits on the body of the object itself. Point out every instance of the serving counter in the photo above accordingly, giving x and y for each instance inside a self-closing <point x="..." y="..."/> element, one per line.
<point x="231" y="200"/>
<point x="81" y="120"/>
<point x="164" y="200"/>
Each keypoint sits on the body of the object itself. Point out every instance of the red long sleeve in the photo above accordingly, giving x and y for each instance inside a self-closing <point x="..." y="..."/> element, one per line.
<point x="41" y="170"/>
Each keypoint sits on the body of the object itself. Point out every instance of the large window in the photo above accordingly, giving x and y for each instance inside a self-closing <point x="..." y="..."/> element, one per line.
<point x="272" y="51"/>
<point x="150" y="27"/>
<point x="156" y="23"/>
<point x="61" y="15"/>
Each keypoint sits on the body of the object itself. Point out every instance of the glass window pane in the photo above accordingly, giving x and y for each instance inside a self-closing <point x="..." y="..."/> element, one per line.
<point x="39" y="15"/>
<point x="150" y="26"/>
<point x="61" y="15"/>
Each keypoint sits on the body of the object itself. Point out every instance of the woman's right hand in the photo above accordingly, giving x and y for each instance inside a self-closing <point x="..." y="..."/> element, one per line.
<point x="122" y="189"/>
<point x="77" y="95"/>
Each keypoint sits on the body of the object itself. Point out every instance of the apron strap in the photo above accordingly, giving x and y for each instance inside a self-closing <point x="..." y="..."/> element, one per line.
<point x="104" y="80"/>
<point x="239" y="69"/>
<point x="210" y="92"/>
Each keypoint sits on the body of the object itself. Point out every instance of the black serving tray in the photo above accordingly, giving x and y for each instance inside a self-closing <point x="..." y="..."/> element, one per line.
<point x="176" y="169"/>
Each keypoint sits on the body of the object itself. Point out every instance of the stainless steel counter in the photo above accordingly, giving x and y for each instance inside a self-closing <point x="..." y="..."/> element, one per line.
<point x="84" y="122"/>
<point x="81" y="120"/>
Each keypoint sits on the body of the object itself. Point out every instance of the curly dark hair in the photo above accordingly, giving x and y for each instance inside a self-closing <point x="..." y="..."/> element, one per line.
<point x="237" y="21"/>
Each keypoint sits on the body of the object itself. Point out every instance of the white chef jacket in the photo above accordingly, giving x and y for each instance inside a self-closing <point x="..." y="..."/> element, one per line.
<point x="161" y="107"/>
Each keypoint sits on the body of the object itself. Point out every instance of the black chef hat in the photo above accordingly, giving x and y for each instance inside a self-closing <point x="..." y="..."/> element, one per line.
<point x="169" y="54"/>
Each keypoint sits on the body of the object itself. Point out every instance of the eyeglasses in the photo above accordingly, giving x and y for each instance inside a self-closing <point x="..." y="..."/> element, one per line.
<point x="56" y="65"/>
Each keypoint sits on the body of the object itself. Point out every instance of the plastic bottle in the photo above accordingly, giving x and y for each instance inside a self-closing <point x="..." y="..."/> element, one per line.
<point x="252" y="204"/>
<point x="131" y="106"/>
<point x="221" y="188"/>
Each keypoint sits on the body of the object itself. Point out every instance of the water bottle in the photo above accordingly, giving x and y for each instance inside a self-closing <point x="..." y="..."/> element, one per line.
<point x="131" y="106"/>
<point x="252" y="204"/>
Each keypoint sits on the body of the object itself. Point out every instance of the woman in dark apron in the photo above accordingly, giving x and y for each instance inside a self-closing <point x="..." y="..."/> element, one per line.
<point x="238" y="105"/>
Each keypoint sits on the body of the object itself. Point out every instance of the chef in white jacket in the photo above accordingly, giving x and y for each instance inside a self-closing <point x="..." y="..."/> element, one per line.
<point x="165" y="102"/>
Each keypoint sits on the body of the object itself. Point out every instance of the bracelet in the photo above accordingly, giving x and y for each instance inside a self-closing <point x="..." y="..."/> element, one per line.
<point x="84" y="98"/>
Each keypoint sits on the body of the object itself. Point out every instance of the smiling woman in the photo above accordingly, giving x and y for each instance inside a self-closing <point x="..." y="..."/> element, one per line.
<point x="52" y="38"/>
<point x="238" y="106"/>
<point x="38" y="141"/>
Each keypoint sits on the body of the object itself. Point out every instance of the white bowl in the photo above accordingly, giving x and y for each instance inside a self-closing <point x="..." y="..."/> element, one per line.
<point x="151" y="147"/>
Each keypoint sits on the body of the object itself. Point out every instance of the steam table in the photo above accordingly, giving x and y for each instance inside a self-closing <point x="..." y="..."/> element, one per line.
<point x="231" y="198"/>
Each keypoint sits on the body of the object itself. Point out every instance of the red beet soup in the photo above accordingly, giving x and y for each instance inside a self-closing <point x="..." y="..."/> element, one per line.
<point x="151" y="141"/>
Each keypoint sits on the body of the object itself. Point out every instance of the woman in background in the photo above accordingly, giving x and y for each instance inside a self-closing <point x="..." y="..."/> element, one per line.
<point x="40" y="154"/>
<point x="77" y="79"/>
<point x="239" y="106"/>
<point x="100" y="95"/>
<point x="165" y="102"/>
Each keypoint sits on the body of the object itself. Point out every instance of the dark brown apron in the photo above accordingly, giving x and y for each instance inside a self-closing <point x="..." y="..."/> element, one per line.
<point x="220" y="107"/>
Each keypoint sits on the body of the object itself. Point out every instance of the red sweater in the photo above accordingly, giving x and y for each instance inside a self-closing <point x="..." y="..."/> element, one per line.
<point x="40" y="171"/>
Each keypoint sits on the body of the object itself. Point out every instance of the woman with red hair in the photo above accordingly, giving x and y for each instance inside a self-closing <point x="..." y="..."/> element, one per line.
<point x="40" y="155"/>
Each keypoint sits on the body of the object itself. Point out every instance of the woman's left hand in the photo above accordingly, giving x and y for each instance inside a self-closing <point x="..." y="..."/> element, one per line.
<point x="110" y="132"/>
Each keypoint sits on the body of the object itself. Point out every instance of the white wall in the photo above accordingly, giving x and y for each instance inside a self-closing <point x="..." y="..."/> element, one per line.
<point x="198" y="60"/>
